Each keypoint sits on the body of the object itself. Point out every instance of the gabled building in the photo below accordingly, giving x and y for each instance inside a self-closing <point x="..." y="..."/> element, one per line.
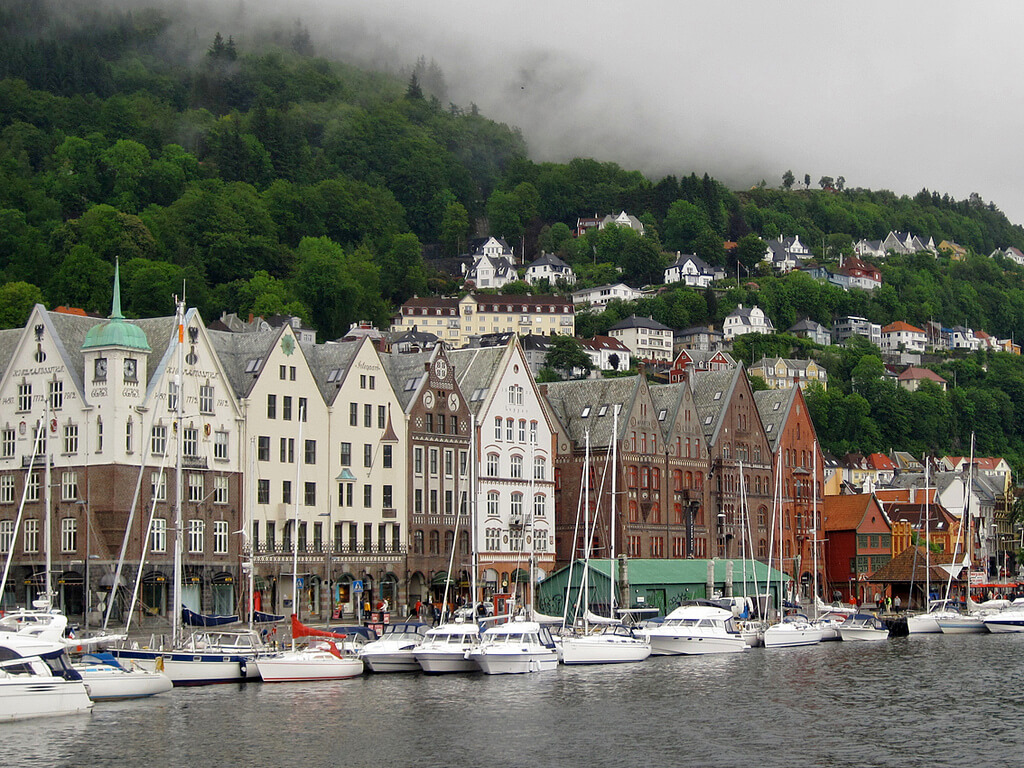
<point x="911" y="378"/>
<point x="514" y="453"/>
<point x="903" y="337"/>
<point x="782" y="373"/>
<point x="491" y="270"/>
<point x="798" y="465"/>
<point x="851" y="325"/>
<point x="955" y="251"/>
<point x="438" y="505"/>
<point x="869" y="248"/>
<point x="746" y="320"/>
<point x="690" y="360"/>
<point x="858" y="541"/>
<point x="733" y="435"/>
<point x="607" y="353"/>
<point x="809" y="329"/>
<point x="1011" y="252"/>
<point x="854" y="273"/>
<point x="904" y="243"/>
<point x="599" y="297"/>
<point x="884" y="468"/>
<point x="699" y="337"/>
<point x="623" y="220"/>
<point x="786" y="253"/>
<point x="693" y="271"/>
<point x="646" y="339"/>
<point x="961" y="337"/>
<point x="551" y="268"/>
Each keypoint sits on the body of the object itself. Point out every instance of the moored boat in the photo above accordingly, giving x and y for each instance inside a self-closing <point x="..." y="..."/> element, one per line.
<point x="36" y="679"/>
<point x="516" y="647"/>
<point x="395" y="649"/>
<point x="693" y="630"/>
<point x="605" y="644"/>
<point x="446" y="648"/>
<point x="107" y="679"/>
<point x="792" y="632"/>
<point x="863" y="626"/>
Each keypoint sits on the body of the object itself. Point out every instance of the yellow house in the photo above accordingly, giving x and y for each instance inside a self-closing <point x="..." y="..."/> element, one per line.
<point x="781" y="373"/>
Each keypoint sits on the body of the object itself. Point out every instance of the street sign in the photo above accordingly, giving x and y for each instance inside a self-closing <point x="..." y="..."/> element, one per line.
<point x="298" y="581"/>
<point x="357" y="586"/>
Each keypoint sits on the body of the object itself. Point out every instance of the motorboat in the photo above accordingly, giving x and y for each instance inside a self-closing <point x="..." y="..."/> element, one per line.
<point x="1009" y="620"/>
<point x="395" y="649"/>
<point x="752" y="631"/>
<point x="324" y="658"/>
<point x="830" y="623"/>
<point x="37" y="680"/>
<point x="214" y="656"/>
<point x="107" y="679"/>
<point x="863" y="626"/>
<point x="516" y="647"/>
<point x="792" y="632"/>
<point x="446" y="648"/>
<point x="605" y="644"/>
<point x="695" y="629"/>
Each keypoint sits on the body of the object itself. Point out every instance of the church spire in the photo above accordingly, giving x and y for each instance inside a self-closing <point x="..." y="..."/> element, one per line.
<point x="115" y="305"/>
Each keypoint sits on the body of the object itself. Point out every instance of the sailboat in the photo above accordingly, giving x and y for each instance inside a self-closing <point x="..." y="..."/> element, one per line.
<point x="926" y="623"/>
<point x="599" y="640"/>
<point x="791" y="631"/>
<point x="215" y="656"/>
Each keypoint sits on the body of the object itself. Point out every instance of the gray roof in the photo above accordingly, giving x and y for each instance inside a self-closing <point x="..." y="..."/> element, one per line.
<point x="570" y="399"/>
<point x="403" y="368"/>
<point x="702" y="266"/>
<point x="331" y="361"/>
<point x="808" y="325"/>
<point x="708" y="384"/>
<point x="548" y="259"/>
<point x="773" y="406"/>
<point x="639" y="322"/>
<point x="476" y="369"/>
<point x="239" y="351"/>
<point x="668" y="398"/>
<point x="9" y="339"/>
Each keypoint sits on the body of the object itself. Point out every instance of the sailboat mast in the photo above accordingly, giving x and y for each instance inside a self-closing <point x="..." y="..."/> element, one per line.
<point x="611" y="514"/>
<point x="927" y="539"/>
<point x="178" y="481"/>
<point x="814" y="520"/>
<point x="48" y="502"/>
<point x="587" y="535"/>
<point x="247" y="529"/>
<point x="474" y="557"/>
<point x="743" y="538"/>
<point x="295" y="526"/>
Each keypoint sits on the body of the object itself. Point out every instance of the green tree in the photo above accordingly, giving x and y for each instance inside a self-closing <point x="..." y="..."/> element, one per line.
<point x="16" y="302"/>
<point x="568" y="356"/>
<point x="454" y="228"/>
<point x="788" y="179"/>
<point x="750" y="250"/>
<point x="684" y="222"/>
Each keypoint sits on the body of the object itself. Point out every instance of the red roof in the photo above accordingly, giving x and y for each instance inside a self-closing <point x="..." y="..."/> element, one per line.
<point x="917" y="374"/>
<point x="899" y="325"/>
<point x="880" y="461"/>
<point x="845" y="513"/>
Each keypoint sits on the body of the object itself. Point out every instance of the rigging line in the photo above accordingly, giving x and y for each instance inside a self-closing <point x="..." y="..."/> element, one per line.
<point x="21" y="507"/>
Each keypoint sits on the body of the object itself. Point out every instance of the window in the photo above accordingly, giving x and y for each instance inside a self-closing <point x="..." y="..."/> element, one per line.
<point x="388" y="456"/>
<point x="382" y="415"/>
<point x="303" y="410"/>
<point x="441" y="422"/>
<point x="7" y="489"/>
<point x="435" y="543"/>
<point x="24" y="397"/>
<point x="33" y="487"/>
<point x="309" y="494"/>
<point x="158" y="535"/>
<point x="56" y="395"/>
<point x="657" y="546"/>
<point x="367" y="536"/>
<point x="346" y="454"/>
<point x="158" y="486"/>
<point x="205" y="398"/>
<point x="190" y="441"/>
<point x="271" y="535"/>
<point x="449" y="503"/>
<point x="517" y="506"/>
<point x="417" y="460"/>
<point x="220" y="446"/>
<point x="172" y="397"/>
<point x="69" y="486"/>
<point x="433" y="502"/>
<point x="463" y="463"/>
<point x="196" y="530"/>
<point x="263" y="448"/>
<point x="262" y="491"/>
<point x="286" y="492"/>
<point x="291" y="373"/>
<point x="510" y="426"/>
<point x="449" y="463"/>
<point x="539" y="505"/>
<point x="31" y="535"/>
<point x="492" y="465"/>
<point x="516" y="467"/>
<point x="282" y="371"/>
<point x="158" y="440"/>
<point x="367" y="496"/>
<point x="220" y="490"/>
<point x="539" y="468"/>
<point x="195" y="487"/>
<point x="310" y="452"/>
<point x="497" y="427"/>
<point x="286" y="408"/>
<point x="417" y="501"/>
<point x="7" y="443"/>
<point x="367" y="415"/>
<point x="533" y="432"/>
<point x="271" y="406"/>
<point x="522" y="430"/>
<point x="492" y="539"/>
<point x="6" y="535"/>
<point x="417" y="542"/>
<point x="287" y="450"/>
<point x="387" y="500"/>
<point x="492" y="503"/>
<point x="367" y="455"/>
<point x="68" y="534"/>
<point x="433" y="462"/>
<point x="353" y="414"/>
<point x="128" y="434"/>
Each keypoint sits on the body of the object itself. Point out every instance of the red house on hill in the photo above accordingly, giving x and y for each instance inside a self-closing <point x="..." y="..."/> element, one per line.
<point x="858" y="541"/>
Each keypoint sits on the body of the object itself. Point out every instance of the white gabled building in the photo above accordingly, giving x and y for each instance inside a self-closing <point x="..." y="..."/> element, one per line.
<point x="693" y="271"/>
<point x="551" y="268"/>
<point x="599" y="297"/>
<point x="645" y="337"/>
<point x="746" y="320"/>
<point x="903" y="337"/>
<point x="515" y="455"/>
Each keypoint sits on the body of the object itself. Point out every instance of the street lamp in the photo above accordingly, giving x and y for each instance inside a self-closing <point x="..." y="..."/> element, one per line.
<point x="330" y="551"/>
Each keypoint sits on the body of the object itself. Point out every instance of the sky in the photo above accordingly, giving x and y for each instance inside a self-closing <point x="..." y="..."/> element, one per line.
<point x="894" y="95"/>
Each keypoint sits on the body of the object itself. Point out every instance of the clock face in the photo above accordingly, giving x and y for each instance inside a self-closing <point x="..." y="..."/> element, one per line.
<point x="428" y="399"/>
<point x="100" y="369"/>
<point x="453" y="402"/>
<point x="129" y="368"/>
<point x="440" y="369"/>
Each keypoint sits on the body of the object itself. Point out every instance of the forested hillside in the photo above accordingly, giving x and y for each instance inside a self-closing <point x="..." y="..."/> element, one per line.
<point x="271" y="180"/>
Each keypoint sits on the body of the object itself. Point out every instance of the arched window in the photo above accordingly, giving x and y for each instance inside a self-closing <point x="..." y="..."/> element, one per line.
<point x="464" y="543"/>
<point x="435" y="543"/>
<point x="417" y="542"/>
<point x="677" y="479"/>
<point x="497" y="427"/>
<point x="655" y="516"/>
<point x="492" y="464"/>
<point x="634" y="512"/>
<point x="517" y="505"/>
<point x="539" y="505"/>
<point x="492" y="503"/>
<point x="449" y="541"/>
<point x="522" y="430"/>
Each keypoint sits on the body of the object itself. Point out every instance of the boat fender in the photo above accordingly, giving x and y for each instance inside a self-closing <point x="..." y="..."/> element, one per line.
<point x="242" y="667"/>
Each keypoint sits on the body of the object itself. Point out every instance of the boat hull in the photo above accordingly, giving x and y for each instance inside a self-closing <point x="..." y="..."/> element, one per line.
<point x="105" y="683"/>
<point x="42" y="697"/>
<point x="922" y="624"/>
<point x="396" y="661"/>
<point x="962" y="626"/>
<point x="195" y="668"/>
<point x="595" y="650"/>
<point x="853" y="634"/>
<point x="686" y="644"/>
<point x="782" y="636"/>
<point x="446" y="662"/>
<point x="301" y="668"/>
<point x="502" y="662"/>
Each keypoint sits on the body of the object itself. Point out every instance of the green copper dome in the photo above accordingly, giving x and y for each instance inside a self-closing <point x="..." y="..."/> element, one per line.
<point x="118" y="332"/>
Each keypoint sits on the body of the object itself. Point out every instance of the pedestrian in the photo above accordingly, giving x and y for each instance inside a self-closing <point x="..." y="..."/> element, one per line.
<point x="898" y="603"/>
<point x="417" y="608"/>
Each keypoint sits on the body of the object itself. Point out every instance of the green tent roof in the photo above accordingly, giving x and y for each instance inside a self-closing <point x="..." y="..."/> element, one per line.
<point x="666" y="571"/>
<point x="118" y="332"/>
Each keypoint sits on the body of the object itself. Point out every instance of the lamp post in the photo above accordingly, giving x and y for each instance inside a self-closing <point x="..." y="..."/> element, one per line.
<point x="327" y="566"/>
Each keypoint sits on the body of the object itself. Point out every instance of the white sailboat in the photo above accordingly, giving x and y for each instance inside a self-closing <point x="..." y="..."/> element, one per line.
<point x="606" y="641"/>
<point x="925" y="623"/>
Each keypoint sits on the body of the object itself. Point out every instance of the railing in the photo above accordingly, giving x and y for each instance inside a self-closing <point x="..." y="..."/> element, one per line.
<point x="263" y="548"/>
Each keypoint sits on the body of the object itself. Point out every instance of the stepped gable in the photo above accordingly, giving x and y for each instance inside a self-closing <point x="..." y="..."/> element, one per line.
<point x="568" y="399"/>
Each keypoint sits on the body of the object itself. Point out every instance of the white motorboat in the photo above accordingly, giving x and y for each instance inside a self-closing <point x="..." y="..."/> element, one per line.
<point x="1009" y="620"/>
<point x="395" y="649"/>
<point x="961" y="624"/>
<point x="605" y="644"/>
<point x="830" y="623"/>
<point x="215" y="656"/>
<point x="516" y="647"/>
<point x="108" y="680"/>
<point x="36" y="679"/>
<point x="792" y="632"/>
<point x="326" y="658"/>
<point x="446" y="648"/>
<point x="863" y="626"/>
<point x="695" y="629"/>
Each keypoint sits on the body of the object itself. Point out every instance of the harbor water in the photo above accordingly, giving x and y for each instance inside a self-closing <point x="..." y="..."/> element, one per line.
<point x="933" y="700"/>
